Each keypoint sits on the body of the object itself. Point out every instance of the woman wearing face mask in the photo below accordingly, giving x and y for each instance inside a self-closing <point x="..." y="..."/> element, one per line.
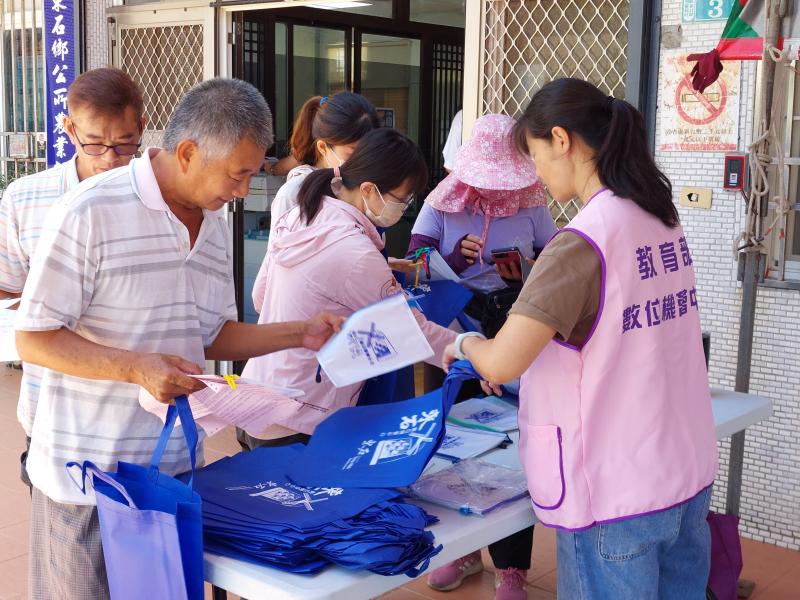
<point x="326" y="252"/>
<point x="616" y="429"/>
<point x="324" y="135"/>
<point x="492" y="199"/>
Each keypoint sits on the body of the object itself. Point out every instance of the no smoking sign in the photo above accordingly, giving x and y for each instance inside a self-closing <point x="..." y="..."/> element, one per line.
<point x="697" y="108"/>
<point x="693" y="122"/>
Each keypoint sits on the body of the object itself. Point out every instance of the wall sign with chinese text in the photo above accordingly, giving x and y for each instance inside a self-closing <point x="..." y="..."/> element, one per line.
<point x="706" y="10"/>
<point x="695" y="122"/>
<point x="61" y="65"/>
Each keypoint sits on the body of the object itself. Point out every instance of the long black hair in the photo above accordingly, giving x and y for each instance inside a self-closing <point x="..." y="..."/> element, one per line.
<point x="341" y="119"/>
<point x="384" y="157"/>
<point x="612" y="128"/>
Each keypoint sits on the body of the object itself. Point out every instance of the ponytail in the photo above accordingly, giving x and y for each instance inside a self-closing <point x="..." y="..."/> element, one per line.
<point x="384" y="157"/>
<point x="315" y="187"/>
<point x="614" y="129"/>
<point x="302" y="139"/>
<point x="341" y="119"/>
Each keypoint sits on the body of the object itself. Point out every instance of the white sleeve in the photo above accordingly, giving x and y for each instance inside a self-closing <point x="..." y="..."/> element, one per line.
<point x="453" y="141"/>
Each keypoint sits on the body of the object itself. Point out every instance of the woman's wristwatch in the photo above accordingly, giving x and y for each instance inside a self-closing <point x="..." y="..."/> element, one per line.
<point x="460" y="340"/>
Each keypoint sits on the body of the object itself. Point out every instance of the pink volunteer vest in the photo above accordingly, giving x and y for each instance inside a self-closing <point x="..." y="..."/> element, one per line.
<point x="623" y="426"/>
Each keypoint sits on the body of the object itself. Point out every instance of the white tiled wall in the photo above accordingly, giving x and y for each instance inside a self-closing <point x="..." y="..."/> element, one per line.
<point x="770" y="507"/>
<point x="97" y="54"/>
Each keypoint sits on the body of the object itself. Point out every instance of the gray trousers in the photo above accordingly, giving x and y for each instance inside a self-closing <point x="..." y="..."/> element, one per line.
<point x="66" y="556"/>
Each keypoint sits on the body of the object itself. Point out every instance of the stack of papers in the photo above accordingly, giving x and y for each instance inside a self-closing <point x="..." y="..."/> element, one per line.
<point x="490" y="413"/>
<point x="253" y="512"/>
<point x="472" y="487"/>
<point x="247" y="404"/>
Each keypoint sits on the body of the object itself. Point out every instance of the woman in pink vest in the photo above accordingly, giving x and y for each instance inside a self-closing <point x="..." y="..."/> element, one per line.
<point x="616" y="430"/>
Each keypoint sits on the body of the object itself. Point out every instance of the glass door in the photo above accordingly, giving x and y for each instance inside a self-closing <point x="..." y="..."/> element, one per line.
<point x="389" y="75"/>
<point x="390" y="78"/>
<point x="319" y="63"/>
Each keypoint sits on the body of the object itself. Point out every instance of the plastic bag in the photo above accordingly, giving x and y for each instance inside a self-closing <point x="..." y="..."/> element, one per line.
<point x="472" y="487"/>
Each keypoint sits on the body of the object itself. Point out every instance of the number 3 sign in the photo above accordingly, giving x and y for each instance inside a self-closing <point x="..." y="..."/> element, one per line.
<point x="706" y="10"/>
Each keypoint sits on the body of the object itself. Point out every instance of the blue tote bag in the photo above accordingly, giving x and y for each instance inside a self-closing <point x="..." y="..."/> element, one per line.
<point x="151" y="523"/>
<point x="442" y="302"/>
<point x="460" y="371"/>
<point x="384" y="445"/>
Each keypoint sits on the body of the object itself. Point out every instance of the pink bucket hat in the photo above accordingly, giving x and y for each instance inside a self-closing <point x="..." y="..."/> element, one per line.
<point x="489" y="176"/>
<point x="488" y="159"/>
<point x="505" y="180"/>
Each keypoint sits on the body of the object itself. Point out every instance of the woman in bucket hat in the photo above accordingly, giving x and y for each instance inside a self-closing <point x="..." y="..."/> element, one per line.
<point x="492" y="199"/>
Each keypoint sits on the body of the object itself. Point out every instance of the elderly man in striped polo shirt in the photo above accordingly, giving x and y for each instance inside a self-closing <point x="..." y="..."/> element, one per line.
<point x="131" y="286"/>
<point x="105" y="124"/>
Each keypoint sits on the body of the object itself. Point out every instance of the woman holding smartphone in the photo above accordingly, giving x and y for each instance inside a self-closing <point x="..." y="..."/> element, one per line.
<point x="491" y="200"/>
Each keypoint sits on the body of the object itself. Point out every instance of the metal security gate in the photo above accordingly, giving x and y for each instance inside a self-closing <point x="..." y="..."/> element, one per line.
<point x="22" y="90"/>
<point x="166" y="50"/>
<point x="527" y="43"/>
<point x="447" y="94"/>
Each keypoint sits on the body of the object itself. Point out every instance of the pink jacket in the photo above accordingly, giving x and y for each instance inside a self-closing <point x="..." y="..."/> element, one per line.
<point x="333" y="264"/>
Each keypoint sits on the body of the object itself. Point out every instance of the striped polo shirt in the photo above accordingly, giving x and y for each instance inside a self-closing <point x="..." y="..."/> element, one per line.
<point x="23" y="209"/>
<point x="115" y="266"/>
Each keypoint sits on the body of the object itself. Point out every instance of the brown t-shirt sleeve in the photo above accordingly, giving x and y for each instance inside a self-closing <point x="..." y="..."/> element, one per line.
<point x="563" y="289"/>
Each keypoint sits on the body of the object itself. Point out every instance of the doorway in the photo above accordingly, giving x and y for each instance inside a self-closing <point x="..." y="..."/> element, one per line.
<point x="410" y="71"/>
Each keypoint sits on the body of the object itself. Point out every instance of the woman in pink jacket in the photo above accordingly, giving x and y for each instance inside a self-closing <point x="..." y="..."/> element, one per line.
<point x="326" y="253"/>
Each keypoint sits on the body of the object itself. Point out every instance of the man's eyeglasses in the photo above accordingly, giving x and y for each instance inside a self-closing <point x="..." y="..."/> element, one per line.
<point x="100" y="149"/>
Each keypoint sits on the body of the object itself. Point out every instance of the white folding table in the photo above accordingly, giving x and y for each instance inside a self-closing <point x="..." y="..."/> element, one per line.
<point x="459" y="534"/>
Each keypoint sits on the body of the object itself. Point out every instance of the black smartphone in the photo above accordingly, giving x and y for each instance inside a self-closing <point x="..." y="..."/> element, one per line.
<point x="512" y="255"/>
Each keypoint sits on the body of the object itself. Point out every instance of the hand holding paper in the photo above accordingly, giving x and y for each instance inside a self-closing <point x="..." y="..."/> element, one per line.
<point x="377" y="339"/>
<point x="319" y="329"/>
<point x="165" y="376"/>
<point x="247" y="404"/>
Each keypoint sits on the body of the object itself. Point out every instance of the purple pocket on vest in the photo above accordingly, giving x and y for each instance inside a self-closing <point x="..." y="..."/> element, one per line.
<point x="726" y="555"/>
<point x="546" y="462"/>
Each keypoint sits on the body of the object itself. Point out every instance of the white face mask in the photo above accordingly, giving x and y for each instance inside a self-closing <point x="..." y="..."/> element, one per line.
<point x="392" y="212"/>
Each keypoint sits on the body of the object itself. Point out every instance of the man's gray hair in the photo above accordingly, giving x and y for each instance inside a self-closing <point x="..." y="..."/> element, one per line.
<point x="216" y="115"/>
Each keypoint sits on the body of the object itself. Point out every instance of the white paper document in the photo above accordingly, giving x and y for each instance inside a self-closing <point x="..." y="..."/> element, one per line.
<point x="440" y="270"/>
<point x="463" y="442"/>
<point x="488" y="412"/>
<point x="250" y="405"/>
<point x="377" y="339"/>
<point x="8" y="345"/>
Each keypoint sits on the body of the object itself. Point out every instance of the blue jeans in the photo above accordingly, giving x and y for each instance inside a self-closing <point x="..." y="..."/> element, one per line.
<point x="663" y="556"/>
